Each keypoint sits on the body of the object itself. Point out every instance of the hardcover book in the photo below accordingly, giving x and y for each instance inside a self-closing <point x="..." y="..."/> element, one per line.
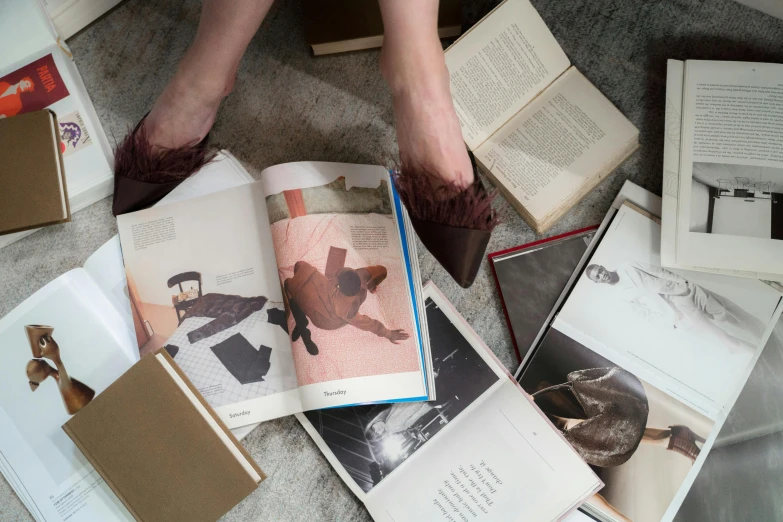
<point x="297" y="292"/>
<point x="161" y="448"/>
<point x="32" y="178"/>
<point x="537" y="126"/>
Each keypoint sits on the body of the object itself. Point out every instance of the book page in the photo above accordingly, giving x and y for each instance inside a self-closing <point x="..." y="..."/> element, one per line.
<point x="671" y="159"/>
<point x="499" y="66"/>
<point x="731" y="168"/>
<point x="557" y="146"/>
<point x="344" y="264"/>
<point x="382" y="451"/>
<point x="202" y="278"/>
<point x="692" y="335"/>
<point x="61" y="347"/>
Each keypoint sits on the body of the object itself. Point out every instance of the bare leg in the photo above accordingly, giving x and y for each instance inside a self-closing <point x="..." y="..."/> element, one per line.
<point x="186" y="110"/>
<point x="412" y="61"/>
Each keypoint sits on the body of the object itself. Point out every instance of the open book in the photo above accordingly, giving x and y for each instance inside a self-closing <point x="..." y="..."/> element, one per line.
<point x="723" y="168"/>
<point x="481" y="451"/>
<point x="538" y="128"/>
<point x="94" y="327"/>
<point x="36" y="72"/>
<point x="300" y="291"/>
<point x="641" y="365"/>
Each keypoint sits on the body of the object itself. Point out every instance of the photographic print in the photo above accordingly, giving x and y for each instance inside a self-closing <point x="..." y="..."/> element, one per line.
<point x="640" y="441"/>
<point x="344" y="281"/>
<point x="737" y="200"/>
<point x="32" y="87"/>
<point x="210" y="298"/>
<point x="371" y="441"/>
<point x="700" y="329"/>
<point x="52" y="363"/>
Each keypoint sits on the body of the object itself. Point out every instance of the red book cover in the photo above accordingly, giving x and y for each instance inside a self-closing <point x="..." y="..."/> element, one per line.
<point x="32" y="87"/>
<point x="531" y="277"/>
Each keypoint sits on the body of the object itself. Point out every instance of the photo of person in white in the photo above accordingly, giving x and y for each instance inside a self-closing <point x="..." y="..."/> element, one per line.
<point x="653" y="290"/>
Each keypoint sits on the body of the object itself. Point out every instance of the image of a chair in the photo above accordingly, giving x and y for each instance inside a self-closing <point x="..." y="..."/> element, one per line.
<point x="181" y="307"/>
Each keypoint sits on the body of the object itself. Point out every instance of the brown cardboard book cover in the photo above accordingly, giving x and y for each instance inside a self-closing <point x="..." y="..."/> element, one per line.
<point x="32" y="177"/>
<point x="335" y="26"/>
<point x="161" y="448"/>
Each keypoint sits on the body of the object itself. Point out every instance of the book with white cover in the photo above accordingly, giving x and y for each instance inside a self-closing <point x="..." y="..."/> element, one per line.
<point x="481" y="451"/>
<point x="723" y="168"/>
<point x="37" y="71"/>
<point x="94" y="326"/>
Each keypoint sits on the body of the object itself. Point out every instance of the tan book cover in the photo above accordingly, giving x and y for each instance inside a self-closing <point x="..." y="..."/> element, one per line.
<point x="161" y="448"/>
<point x="335" y="26"/>
<point x="32" y="177"/>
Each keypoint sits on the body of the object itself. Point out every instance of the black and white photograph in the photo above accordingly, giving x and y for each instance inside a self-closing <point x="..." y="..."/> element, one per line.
<point x="639" y="440"/>
<point x="737" y="200"/>
<point x="372" y="441"/>
<point x="531" y="278"/>
<point x="697" y="328"/>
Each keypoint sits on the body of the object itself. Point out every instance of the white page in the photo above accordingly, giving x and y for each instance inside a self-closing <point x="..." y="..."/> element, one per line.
<point x="56" y="478"/>
<point x="732" y="119"/>
<point x="499" y="66"/>
<point x="224" y="237"/>
<point x="317" y="210"/>
<point x="414" y="447"/>
<point x="25" y="33"/>
<point x="547" y="155"/>
<point x="695" y="346"/>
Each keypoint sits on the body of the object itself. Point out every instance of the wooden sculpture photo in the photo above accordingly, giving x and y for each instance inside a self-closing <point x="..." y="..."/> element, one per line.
<point x="76" y="395"/>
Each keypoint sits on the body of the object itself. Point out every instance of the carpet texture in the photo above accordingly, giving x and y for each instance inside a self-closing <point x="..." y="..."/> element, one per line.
<point x="289" y="106"/>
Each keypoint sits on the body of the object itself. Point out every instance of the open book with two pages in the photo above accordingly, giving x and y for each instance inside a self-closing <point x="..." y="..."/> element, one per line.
<point x="537" y="127"/>
<point x="639" y="365"/>
<point x="37" y="71"/>
<point x="723" y="168"/>
<point x="481" y="451"/>
<point x="87" y="313"/>
<point x="296" y="292"/>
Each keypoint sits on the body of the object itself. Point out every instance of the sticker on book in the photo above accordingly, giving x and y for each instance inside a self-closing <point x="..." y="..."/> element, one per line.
<point x="32" y="87"/>
<point x="74" y="135"/>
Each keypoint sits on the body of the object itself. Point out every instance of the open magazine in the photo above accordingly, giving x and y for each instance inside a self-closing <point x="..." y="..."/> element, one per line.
<point x="723" y="168"/>
<point x="297" y="292"/>
<point x="642" y="364"/>
<point x="86" y="312"/>
<point x="37" y="71"/>
<point x="481" y="451"/>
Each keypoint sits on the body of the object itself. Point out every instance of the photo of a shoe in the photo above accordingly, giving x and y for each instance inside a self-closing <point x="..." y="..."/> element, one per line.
<point x="75" y="394"/>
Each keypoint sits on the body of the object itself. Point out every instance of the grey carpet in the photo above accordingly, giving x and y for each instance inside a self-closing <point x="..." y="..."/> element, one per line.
<point x="288" y="106"/>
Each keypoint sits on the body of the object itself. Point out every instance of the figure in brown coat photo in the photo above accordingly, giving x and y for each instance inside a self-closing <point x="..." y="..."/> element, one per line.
<point x="332" y="301"/>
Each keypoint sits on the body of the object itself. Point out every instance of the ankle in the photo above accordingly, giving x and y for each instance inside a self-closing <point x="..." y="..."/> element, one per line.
<point x="411" y="68"/>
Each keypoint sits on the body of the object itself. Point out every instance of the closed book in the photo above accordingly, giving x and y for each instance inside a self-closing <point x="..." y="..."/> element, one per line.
<point x="336" y="26"/>
<point x="32" y="178"/>
<point x="161" y="448"/>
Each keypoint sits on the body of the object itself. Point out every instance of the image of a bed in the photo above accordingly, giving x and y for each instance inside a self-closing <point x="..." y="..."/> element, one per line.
<point x="737" y="200"/>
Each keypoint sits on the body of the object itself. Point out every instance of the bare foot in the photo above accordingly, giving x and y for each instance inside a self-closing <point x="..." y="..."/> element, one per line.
<point x="185" y="112"/>
<point x="428" y="131"/>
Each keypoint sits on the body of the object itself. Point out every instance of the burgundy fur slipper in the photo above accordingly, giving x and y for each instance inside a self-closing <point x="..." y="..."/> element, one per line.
<point x="454" y="224"/>
<point x="143" y="176"/>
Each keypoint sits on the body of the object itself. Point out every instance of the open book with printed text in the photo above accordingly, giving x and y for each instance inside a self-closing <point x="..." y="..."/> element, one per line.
<point x="296" y="292"/>
<point x="538" y="128"/>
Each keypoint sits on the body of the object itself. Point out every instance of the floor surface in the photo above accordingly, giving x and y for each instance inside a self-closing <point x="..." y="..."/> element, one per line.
<point x="289" y="106"/>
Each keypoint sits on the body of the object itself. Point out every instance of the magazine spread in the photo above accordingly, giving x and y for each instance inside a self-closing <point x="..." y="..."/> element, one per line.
<point x="723" y="169"/>
<point x="292" y="293"/>
<point x="651" y="407"/>
<point x="37" y="72"/>
<point x="384" y="453"/>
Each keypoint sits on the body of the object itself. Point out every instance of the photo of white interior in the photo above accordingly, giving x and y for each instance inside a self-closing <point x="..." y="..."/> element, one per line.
<point x="737" y="200"/>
